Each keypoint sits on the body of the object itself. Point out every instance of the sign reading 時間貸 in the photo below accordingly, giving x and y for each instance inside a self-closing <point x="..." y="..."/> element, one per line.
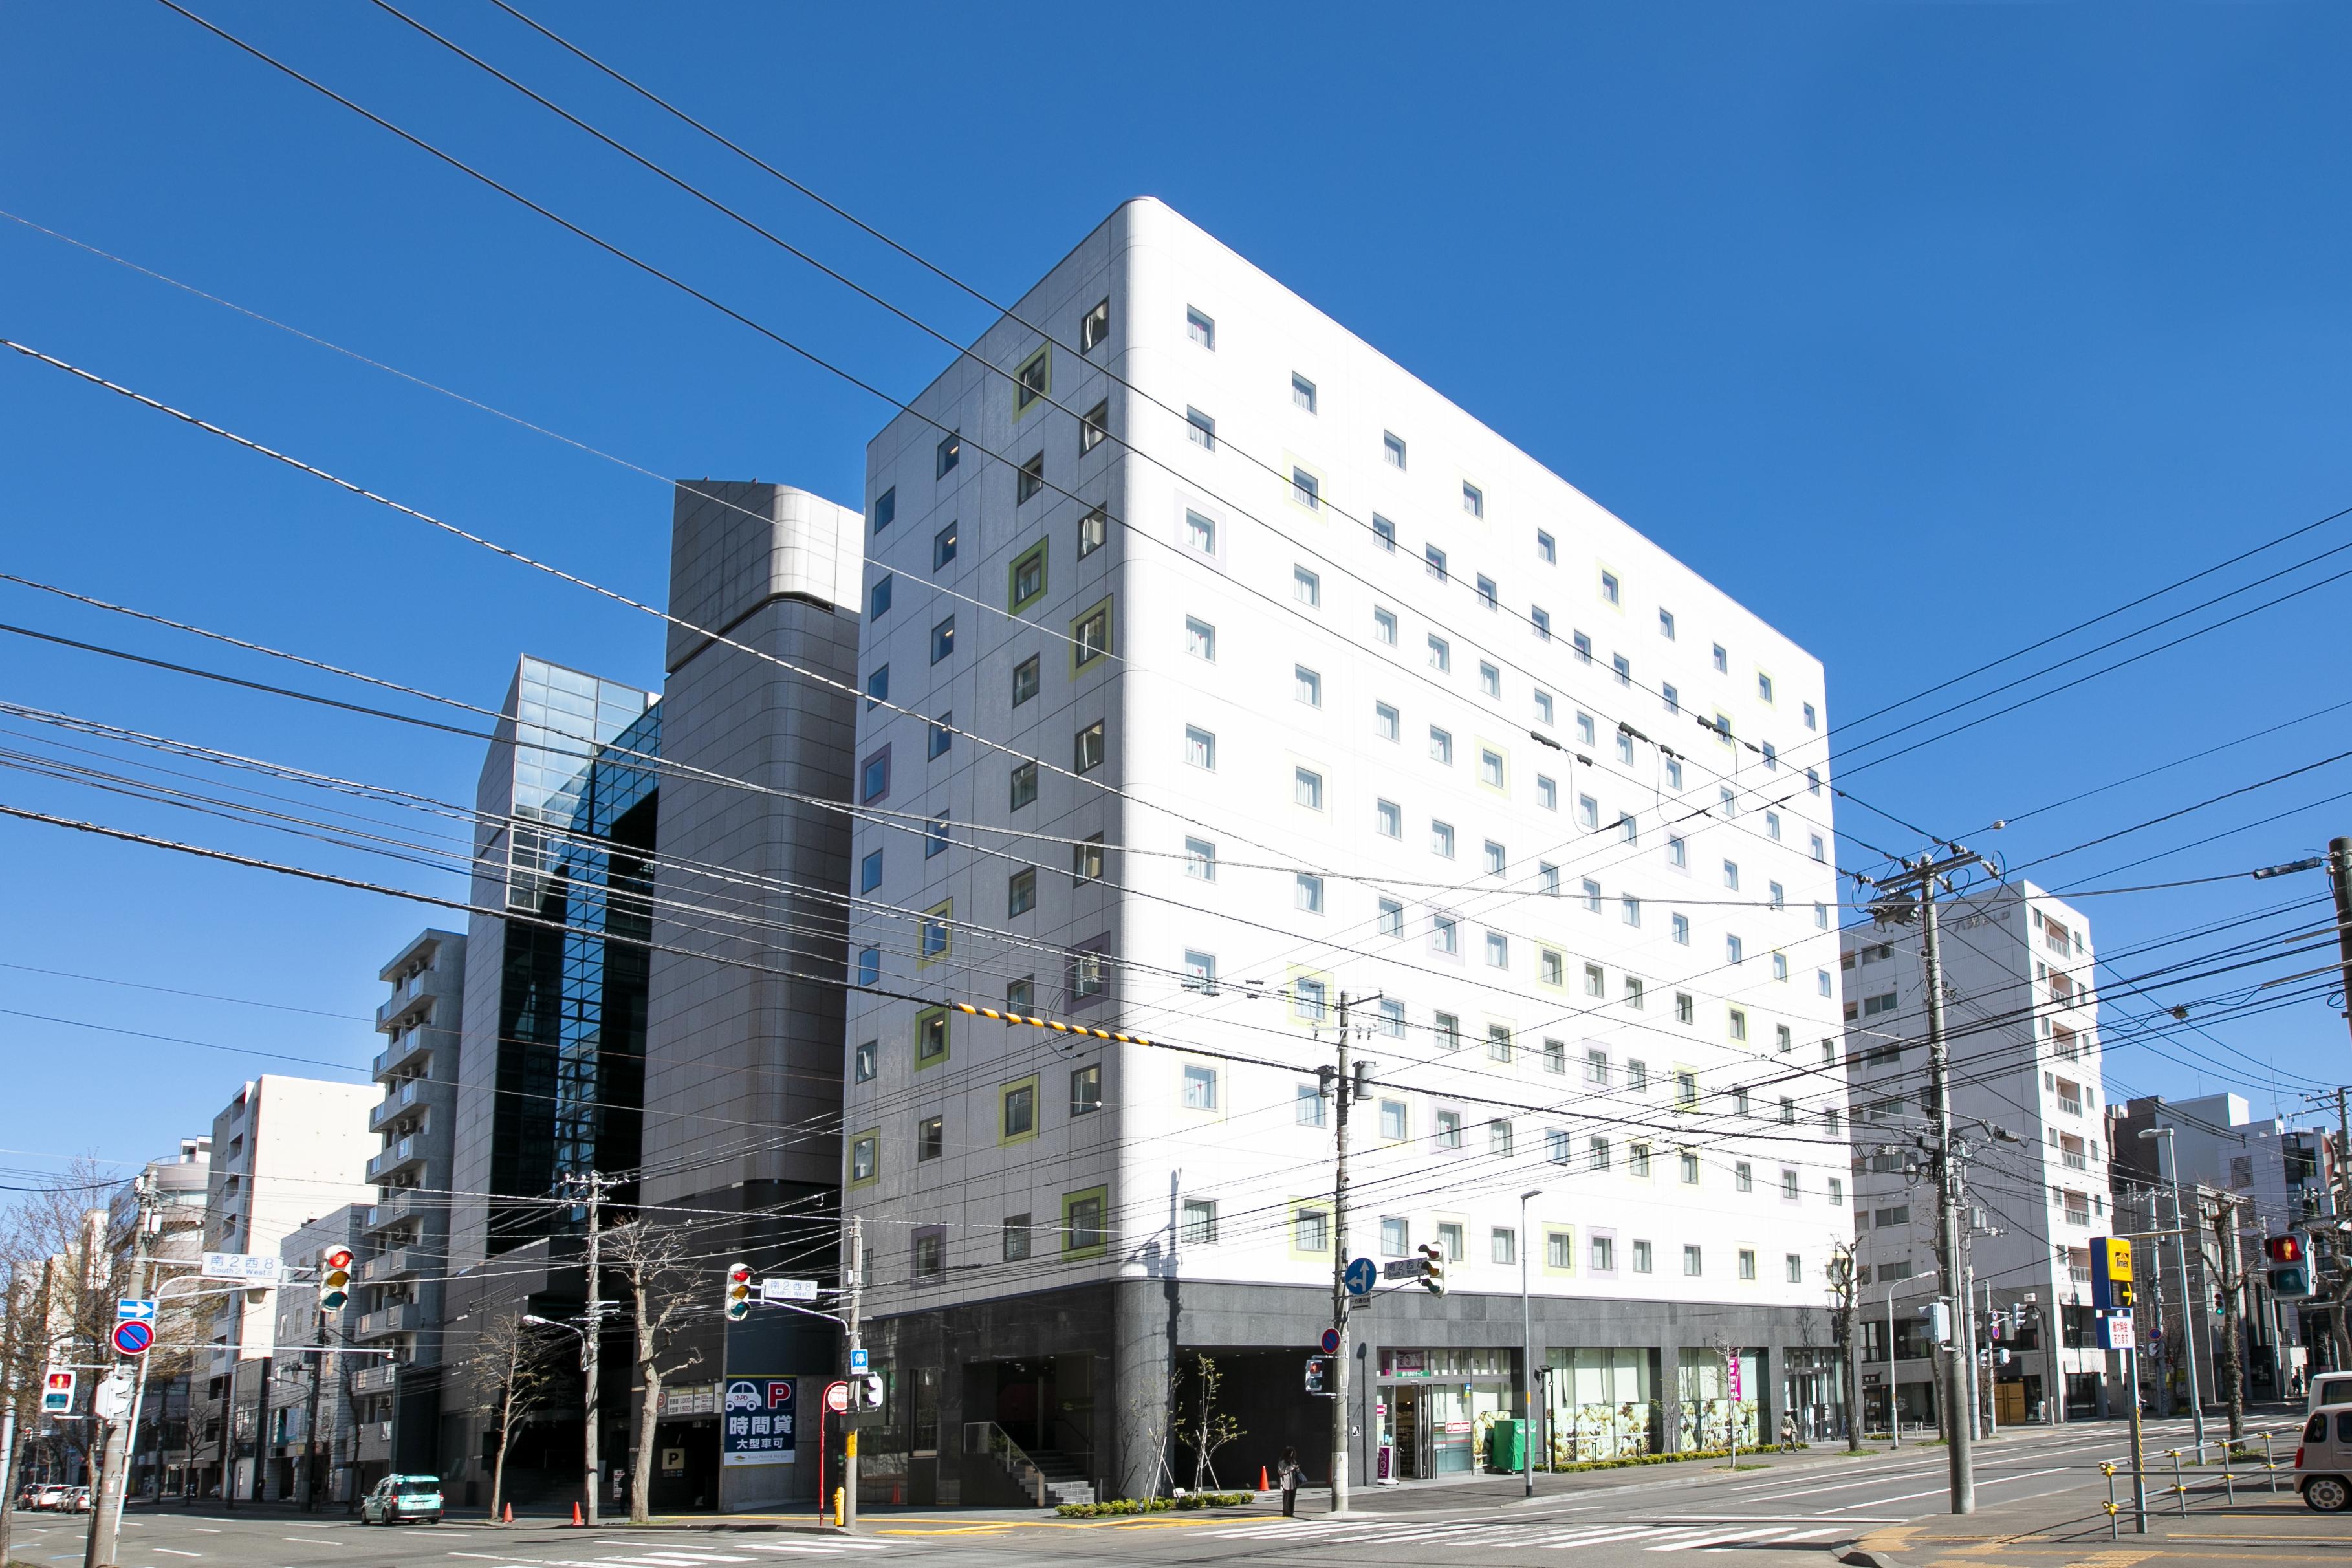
<point x="757" y="1422"/>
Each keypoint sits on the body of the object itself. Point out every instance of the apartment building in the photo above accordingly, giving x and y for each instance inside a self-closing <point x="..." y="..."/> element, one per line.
<point x="160" y="1447"/>
<point x="1219" y="671"/>
<point x="405" y="1244"/>
<point x="2279" y="1177"/>
<point x="284" y="1150"/>
<point x="2027" y="1110"/>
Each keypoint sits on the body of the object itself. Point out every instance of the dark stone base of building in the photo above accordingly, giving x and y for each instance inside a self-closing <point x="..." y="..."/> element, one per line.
<point x="1100" y="1385"/>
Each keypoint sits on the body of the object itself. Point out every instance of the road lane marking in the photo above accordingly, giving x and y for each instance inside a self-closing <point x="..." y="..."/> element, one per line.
<point x="1704" y="1539"/>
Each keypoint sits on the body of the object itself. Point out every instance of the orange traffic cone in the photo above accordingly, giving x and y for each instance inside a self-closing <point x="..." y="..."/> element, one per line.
<point x="510" y="1518"/>
<point x="1261" y="1479"/>
<point x="575" y="1516"/>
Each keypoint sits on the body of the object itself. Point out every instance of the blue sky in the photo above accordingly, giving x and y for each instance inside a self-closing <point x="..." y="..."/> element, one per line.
<point x="1925" y="331"/>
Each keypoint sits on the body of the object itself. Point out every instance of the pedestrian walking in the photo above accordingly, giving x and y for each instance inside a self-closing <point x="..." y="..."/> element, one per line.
<point x="1289" y="1468"/>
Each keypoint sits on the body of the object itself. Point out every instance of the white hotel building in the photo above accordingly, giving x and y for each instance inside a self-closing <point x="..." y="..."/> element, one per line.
<point x="1334" y="691"/>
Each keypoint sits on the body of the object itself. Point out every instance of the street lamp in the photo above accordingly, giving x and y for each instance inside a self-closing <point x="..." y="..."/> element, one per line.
<point x="2167" y="1155"/>
<point x="1894" y="1405"/>
<point x="1526" y="1352"/>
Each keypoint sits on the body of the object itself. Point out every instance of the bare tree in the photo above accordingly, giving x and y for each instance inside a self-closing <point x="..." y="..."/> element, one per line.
<point x="512" y="1372"/>
<point x="653" y="1263"/>
<point x="1845" y="1293"/>
<point x="2231" y="1281"/>
<point x="1204" y="1427"/>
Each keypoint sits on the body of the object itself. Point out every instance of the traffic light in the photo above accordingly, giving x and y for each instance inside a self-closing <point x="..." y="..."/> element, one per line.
<point x="335" y="1278"/>
<point x="739" y="1292"/>
<point x="1432" y="1268"/>
<point x="2289" y="1265"/>
<point x="867" y="1391"/>
<point x="1319" y="1372"/>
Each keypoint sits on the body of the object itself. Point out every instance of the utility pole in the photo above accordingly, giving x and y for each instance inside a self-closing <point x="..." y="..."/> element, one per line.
<point x="2227" y="1365"/>
<point x="589" y="1339"/>
<point x="310" y="1419"/>
<point x="1911" y="895"/>
<point x="852" y="1273"/>
<point x="1341" y="1088"/>
<point x="1852" y="1401"/>
<point x="106" y="1517"/>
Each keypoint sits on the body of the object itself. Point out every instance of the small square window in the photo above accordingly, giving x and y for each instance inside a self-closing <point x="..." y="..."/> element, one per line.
<point x="1812" y="722"/>
<point x="1684" y="1009"/>
<point x="1623" y="669"/>
<point x="1589" y="895"/>
<point x="1441" y="839"/>
<point x="1546" y="794"/>
<point x="935" y="835"/>
<point x="1200" y="533"/>
<point x="1094" y="327"/>
<point x="1490" y="769"/>
<point x="1490" y="679"/>
<point x="1199" y="638"/>
<point x="1672" y="697"/>
<point x="885" y="508"/>
<point x="1441" y="654"/>
<point x="1545" y="548"/>
<point x="1024" y="785"/>
<point x="1497" y="861"/>
<point x="1389" y="819"/>
<point x="1308" y="1106"/>
<point x="943" y="640"/>
<point x="1201" y="859"/>
<point x="1199" y="1089"/>
<point x="1666" y="625"/>
<point x="1308" y="894"/>
<point x="1499" y="951"/>
<point x="877" y="601"/>
<point x="1441" y="746"/>
<point x="1609" y="591"/>
<point x="1307" y="686"/>
<point x="1391" y="923"/>
<point x="869" y="871"/>
<point x="1722" y="660"/>
<point x="1094" y="428"/>
<point x="1087" y="749"/>
<point x="1306" y="489"/>
<point x="1444" y="934"/>
<point x="1202" y="329"/>
<point x="1585" y="731"/>
<point x="1543" y="708"/>
<point x="1025" y="681"/>
<point x="1029" y="479"/>
<point x="1093" y="529"/>
<point x="1746" y="1264"/>
<point x="1384" y="533"/>
<point x="1385" y="722"/>
<point x="1449" y="1131"/>
<point x="1200" y="1222"/>
<point x="1202" y="428"/>
<point x="1306" y="587"/>
<point x="874" y="778"/>
<point x="1487" y="594"/>
<point x="1384" y="627"/>
<point x="1436" y="559"/>
<point x="1307" y="788"/>
<point x="1086" y="860"/>
<point x="1034" y="380"/>
<point x="878" y="687"/>
<point x="1763" y="687"/>
<point x="1393" y="448"/>
<point x="943" y="546"/>
<point x="1200" y="748"/>
<point x="1302" y="391"/>
<point x="942" y="736"/>
<point x="1474" y="499"/>
<point x="1504" y="1246"/>
<point x="867" y="1054"/>
<point x="1693" y="1262"/>
<point x="950" y="453"/>
<point x="1541" y="619"/>
<point x="1396" y="1236"/>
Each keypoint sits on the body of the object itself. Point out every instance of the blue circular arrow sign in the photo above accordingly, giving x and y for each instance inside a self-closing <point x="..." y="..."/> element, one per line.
<point x="133" y="1337"/>
<point x="1360" y="1277"/>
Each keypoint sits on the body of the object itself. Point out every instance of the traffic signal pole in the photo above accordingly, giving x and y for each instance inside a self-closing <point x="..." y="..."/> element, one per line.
<point x="591" y="1345"/>
<point x="853" y="1270"/>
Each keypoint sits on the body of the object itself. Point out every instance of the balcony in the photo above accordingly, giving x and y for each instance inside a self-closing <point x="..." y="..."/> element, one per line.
<point x="400" y="1318"/>
<point x="403" y="1203"/>
<point x="398" y="1263"/>
<point x="406" y="1095"/>
<point x="2073" y="1160"/>
<point x="408" y="1051"/>
<point x="379" y="1378"/>
<point x="2070" y="1107"/>
<point x="411" y="997"/>
<point x="406" y="1154"/>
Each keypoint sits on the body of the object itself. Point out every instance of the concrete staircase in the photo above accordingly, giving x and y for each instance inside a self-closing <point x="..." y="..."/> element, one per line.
<point x="1046" y="1479"/>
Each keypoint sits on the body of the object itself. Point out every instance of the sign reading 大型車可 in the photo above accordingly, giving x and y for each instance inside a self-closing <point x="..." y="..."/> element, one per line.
<point x="757" y="1422"/>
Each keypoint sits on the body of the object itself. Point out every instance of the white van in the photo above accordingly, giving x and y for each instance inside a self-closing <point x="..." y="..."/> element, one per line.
<point x="2323" y="1462"/>
<point x="2328" y="1388"/>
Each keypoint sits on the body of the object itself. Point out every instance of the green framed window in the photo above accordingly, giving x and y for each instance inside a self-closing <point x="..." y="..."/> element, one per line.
<point x="1034" y="382"/>
<point x="1085" y="1223"/>
<point x="865" y="1157"/>
<point x="930" y="1038"/>
<point x="1016" y="1109"/>
<point x="1025" y="578"/>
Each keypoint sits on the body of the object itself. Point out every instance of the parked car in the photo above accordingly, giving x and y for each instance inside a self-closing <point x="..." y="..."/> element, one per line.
<point x="2323" y="1461"/>
<point x="75" y="1501"/>
<point x="2328" y="1388"/>
<point x="50" y="1497"/>
<point x="398" y="1499"/>
<point x="26" y="1493"/>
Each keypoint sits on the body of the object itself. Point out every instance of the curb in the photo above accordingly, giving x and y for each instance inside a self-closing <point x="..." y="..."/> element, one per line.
<point x="1862" y="1557"/>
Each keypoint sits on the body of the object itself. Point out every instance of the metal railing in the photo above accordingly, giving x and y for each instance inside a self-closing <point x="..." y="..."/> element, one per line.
<point x="2235" y="1460"/>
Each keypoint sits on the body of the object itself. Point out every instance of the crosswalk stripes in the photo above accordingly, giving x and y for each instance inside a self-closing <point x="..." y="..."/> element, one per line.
<point x="1709" y="1535"/>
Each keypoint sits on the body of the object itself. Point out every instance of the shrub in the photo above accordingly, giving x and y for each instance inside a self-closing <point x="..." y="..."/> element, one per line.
<point x="1125" y="1505"/>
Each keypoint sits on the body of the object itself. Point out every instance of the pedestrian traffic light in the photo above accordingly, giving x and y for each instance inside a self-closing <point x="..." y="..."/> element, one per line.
<point x="1432" y="1268"/>
<point x="335" y="1278"/>
<point x="867" y="1391"/>
<point x="1318" y="1372"/>
<point x="2289" y="1265"/>
<point x="739" y="1292"/>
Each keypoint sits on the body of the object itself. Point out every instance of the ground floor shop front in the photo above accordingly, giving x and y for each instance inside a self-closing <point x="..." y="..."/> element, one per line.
<point x="1140" y="1386"/>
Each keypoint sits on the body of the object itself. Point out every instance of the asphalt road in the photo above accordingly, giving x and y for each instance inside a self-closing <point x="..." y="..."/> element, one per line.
<point x="2039" y="1489"/>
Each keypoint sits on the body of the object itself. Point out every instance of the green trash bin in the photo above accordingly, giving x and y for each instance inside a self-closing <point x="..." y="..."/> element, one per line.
<point x="1506" y="1446"/>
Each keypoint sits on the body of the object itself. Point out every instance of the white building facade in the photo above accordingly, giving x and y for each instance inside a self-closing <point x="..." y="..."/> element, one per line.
<point x="2028" y="1109"/>
<point x="1264" y="676"/>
